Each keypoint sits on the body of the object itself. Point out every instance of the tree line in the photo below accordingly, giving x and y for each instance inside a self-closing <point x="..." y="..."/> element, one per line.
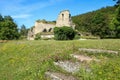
<point x="104" y="22"/>
<point x="9" y="29"/>
<point x="98" y="23"/>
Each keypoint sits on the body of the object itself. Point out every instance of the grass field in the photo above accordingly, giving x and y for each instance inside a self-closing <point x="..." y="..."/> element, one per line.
<point x="29" y="60"/>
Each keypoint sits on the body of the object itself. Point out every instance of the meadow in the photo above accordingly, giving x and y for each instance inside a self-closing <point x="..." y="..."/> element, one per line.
<point x="29" y="60"/>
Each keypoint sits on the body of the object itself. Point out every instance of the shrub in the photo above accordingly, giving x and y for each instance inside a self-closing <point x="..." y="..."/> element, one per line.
<point x="77" y="36"/>
<point x="64" y="33"/>
<point x="38" y="36"/>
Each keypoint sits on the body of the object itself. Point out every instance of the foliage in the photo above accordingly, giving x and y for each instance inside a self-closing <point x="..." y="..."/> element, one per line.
<point x="38" y="36"/>
<point x="116" y="23"/>
<point x="1" y="17"/>
<point x="77" y="37"/>
<point x="8" y="28"/>
<point x="23" y="30"/>
<point x="117" y="2"/>
<point x="64" y="33"/>
<point x="96" y="22"/>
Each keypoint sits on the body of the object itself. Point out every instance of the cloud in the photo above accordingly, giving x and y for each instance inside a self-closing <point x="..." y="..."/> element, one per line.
<point x="25" y="9"/>
<point x="24" y="6"/>
<point x="22" y="16"/>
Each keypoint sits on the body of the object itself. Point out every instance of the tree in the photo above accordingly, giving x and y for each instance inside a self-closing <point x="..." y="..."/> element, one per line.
<point x="64" y="33"/>
<point x="96" y="22"/>
<point x="8" y="18"/>
<point x="100" y="26"/>
<point x="116" y="22"/>
<point x="1" y="18"/>
<point x="8" y="29"/>
<point x="23" y="30"/>
<point x="118" y="2"/>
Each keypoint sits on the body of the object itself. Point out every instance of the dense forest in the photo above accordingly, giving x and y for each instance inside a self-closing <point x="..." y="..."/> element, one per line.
<point x="98" y="23"/>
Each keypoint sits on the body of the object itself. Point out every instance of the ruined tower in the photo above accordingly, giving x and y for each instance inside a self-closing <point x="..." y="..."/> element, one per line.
<point x="64" y="19"/>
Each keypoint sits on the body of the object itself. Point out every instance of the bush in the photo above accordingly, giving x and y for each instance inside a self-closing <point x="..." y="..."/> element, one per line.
<point x="64" y="33"/>
<point x="77" y="36"/>
<point x="38" y="36"/>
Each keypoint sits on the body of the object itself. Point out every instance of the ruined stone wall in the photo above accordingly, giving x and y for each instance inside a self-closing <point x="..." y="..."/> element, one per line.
<point x="64" y="19"/>
<point x="31" y="35"/>
<point x="41" y="27"/>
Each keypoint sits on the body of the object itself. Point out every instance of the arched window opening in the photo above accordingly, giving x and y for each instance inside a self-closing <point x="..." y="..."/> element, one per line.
<point x="62" y="17"/>
<point x="44" y="30"/>
<point x="50" y="30"/>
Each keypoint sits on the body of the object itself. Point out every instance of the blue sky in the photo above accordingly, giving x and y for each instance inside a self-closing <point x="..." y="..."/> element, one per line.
<point x="28" y="11"/>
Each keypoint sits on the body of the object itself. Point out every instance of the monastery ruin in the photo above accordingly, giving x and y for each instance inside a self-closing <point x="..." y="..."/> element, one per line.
<point x="64" y="19"/>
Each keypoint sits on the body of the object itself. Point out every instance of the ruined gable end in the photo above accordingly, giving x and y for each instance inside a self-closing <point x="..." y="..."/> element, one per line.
<point x="64" y="19"/>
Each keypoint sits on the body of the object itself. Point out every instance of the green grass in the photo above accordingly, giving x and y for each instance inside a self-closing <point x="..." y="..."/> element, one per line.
<point x="29" y="60"/>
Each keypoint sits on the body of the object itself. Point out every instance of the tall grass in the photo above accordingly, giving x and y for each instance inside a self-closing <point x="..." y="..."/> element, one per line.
<point x="29" y="60"/>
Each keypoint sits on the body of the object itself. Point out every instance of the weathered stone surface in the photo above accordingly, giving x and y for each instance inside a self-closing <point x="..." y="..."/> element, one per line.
<point x="98" y="50"/>
<point x="59" y="76"/>
<point x="81" y="57"/>
<point x="84" y="58"/>
<point x="47" y="36"/>
<point x="31" y="35"/>
<point x="64" y="19"/>
<point x="68" y="66"/>
<point x="40" y="27"/>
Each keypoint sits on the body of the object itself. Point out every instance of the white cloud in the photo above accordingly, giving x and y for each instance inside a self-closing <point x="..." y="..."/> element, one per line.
<point x="18" y="6"/>
<point x="24" y="9"/>
<point x="22" y="16"/>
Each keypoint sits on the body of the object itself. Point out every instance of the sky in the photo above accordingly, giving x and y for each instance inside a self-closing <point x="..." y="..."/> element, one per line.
<point x="28" y="11"/>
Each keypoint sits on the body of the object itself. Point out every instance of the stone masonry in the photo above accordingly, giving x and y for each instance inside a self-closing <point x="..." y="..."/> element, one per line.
<point x="64" y="19"/>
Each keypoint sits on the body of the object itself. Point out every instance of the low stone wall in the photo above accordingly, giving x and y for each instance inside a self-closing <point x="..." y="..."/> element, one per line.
<point x="47" y="36"/>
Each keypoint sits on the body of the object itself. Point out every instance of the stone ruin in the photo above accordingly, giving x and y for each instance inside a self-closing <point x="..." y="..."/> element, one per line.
<point x="64" y="19"/>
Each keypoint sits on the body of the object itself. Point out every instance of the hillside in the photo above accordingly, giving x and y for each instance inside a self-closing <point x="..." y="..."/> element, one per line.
<point x="96" y="22"/>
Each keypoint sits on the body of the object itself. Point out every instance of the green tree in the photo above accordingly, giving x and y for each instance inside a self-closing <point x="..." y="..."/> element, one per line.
<point x="64" y="33"/>
<point x="96" y="22"/>
<point x="117" y="2"/>
<point x="8" y="18"/>
<point x="100" y="26"/>
<point x="23" y="31"/>
<point x="8" y="29"/>
<point x="1" y="18"/>
<point x="116" y="22"/>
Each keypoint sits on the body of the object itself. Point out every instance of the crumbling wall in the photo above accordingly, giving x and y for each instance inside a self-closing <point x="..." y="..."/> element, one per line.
<point x="64" y="19"/>
<point x="43" y="27"/>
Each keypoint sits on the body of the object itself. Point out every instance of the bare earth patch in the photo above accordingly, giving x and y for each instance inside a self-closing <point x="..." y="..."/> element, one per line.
<point x="98" y="50"/>
<point x="59" y="76"/>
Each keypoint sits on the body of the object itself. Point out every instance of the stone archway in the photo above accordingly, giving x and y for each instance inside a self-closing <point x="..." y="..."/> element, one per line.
<point x="44" y="30"/>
